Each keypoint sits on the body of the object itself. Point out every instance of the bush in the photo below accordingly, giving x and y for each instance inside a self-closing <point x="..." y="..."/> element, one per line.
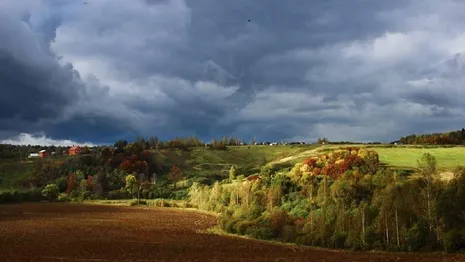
<point x="242" y="226"/>
<point x="289" y="233"/>
<point x="14" y="196"/>
<point x="134" y="203"/>
<point x="278" y="219"/>
<point x="226" y="222"/>
<point x="259" y="232"/>
<point x="180" y="194"/>
<point x="417" y="237"/>
<point x="161" y="192"/>
<point x="305" y="240"/>
<point x="83" y="195"/>
<point x="338" y="239"/>
<point x="160" y="203"/>
<point x="352" y="241"/>
<point x="454" y="240"/>
<point x="370" y="237"/>
<point x="63" y="197"/>
<point x="164" y="203"/>
<point x="50" y="191"/>
<point x="62" y="183"/>
<point x="118" y="194"/>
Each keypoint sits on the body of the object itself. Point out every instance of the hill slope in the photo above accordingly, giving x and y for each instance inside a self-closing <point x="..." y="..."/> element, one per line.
<point x="212" y="165"/>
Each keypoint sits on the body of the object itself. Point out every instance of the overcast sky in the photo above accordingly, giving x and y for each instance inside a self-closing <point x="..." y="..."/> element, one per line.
<point x="365" y="70"/>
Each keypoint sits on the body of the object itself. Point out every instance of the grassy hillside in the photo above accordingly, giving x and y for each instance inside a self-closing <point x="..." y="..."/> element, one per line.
<point x="206" y="164"/>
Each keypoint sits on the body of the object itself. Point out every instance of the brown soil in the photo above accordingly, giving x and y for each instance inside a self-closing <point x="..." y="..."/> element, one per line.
<point x="71" y="232"/>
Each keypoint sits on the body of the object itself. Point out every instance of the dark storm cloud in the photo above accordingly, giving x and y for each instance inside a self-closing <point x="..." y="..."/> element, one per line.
<point x="33" y="85"/>
<point x="341" y="69"/>
<point x="36" y="89"/>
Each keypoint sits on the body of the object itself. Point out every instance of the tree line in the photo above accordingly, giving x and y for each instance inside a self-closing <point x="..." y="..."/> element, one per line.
<point x="446" y="138"/>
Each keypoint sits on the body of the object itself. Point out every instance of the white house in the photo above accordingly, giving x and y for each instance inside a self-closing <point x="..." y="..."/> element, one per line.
<point x="33" y="155"/>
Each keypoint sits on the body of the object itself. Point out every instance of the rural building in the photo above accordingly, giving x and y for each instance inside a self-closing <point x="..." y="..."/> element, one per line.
<point x="74" y="150"/>
<point x="43" y="153"/>
<point x="33" y="155"/>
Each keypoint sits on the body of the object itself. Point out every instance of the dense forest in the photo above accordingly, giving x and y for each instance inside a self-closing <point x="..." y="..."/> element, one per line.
<point x="447" y="138"/>
<point x="343" y="199"/>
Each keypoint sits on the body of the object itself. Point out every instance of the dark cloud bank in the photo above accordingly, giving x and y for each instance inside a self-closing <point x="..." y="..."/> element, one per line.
<point x="348" y="70"/>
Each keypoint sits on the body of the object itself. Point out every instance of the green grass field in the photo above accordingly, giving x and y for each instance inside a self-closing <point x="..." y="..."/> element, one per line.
<point x="407" y="157"/>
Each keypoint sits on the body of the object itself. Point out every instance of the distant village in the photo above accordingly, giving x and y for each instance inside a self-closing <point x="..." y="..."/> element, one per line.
<point x="72" y="151"/>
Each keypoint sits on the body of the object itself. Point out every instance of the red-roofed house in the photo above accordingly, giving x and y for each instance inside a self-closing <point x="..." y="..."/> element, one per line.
<point x="43" y="153"/>
<point x="74" y="150"/>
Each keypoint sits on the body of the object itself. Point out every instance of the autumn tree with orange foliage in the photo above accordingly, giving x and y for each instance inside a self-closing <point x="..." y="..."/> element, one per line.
<point x="71" y="184"/>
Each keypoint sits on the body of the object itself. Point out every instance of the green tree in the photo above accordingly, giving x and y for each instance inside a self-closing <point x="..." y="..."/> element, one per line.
<point x="428" y="177"/>
<point x="131" y="184"/>
<point x="50" y="191"/>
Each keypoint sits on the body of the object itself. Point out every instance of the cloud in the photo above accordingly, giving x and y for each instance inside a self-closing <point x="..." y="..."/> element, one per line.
<point x="42" y="140"/>
<point x="361" y="70"/>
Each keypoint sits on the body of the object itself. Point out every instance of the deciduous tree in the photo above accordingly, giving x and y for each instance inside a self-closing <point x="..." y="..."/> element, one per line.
<point x="175" y="175"/>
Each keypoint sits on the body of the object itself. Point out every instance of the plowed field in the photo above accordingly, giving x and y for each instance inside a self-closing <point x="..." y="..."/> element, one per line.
<point x="71" y="232"/>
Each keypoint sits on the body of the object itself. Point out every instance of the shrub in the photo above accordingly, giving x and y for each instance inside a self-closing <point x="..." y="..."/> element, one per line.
<point x="161" y="192"/>
<point x="14" y="196"/>
<point x="338" y="239"/>
<point x="134" y="203"/>
<point x="118" y="194"/>
<point x="161" y="203"/>
<point x="61" y="182"/>
<point x="304" y="240"/>
<point x="226" y="222"/>
<point x="454" y="240"/>
<point x="63" y="197"/>
<point x="417" y="237"/>
<point x="50" y="191"/>
<point x="242" y="226"/>
<point x="370" y="237"/>
<point x="260" y="232"/>
<point x="180" y="194"/>
<point x="165" y="203"/>
<point x="352" y="241"/>
<point x="289" y="233"/>
<point x="278" y="219"/>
